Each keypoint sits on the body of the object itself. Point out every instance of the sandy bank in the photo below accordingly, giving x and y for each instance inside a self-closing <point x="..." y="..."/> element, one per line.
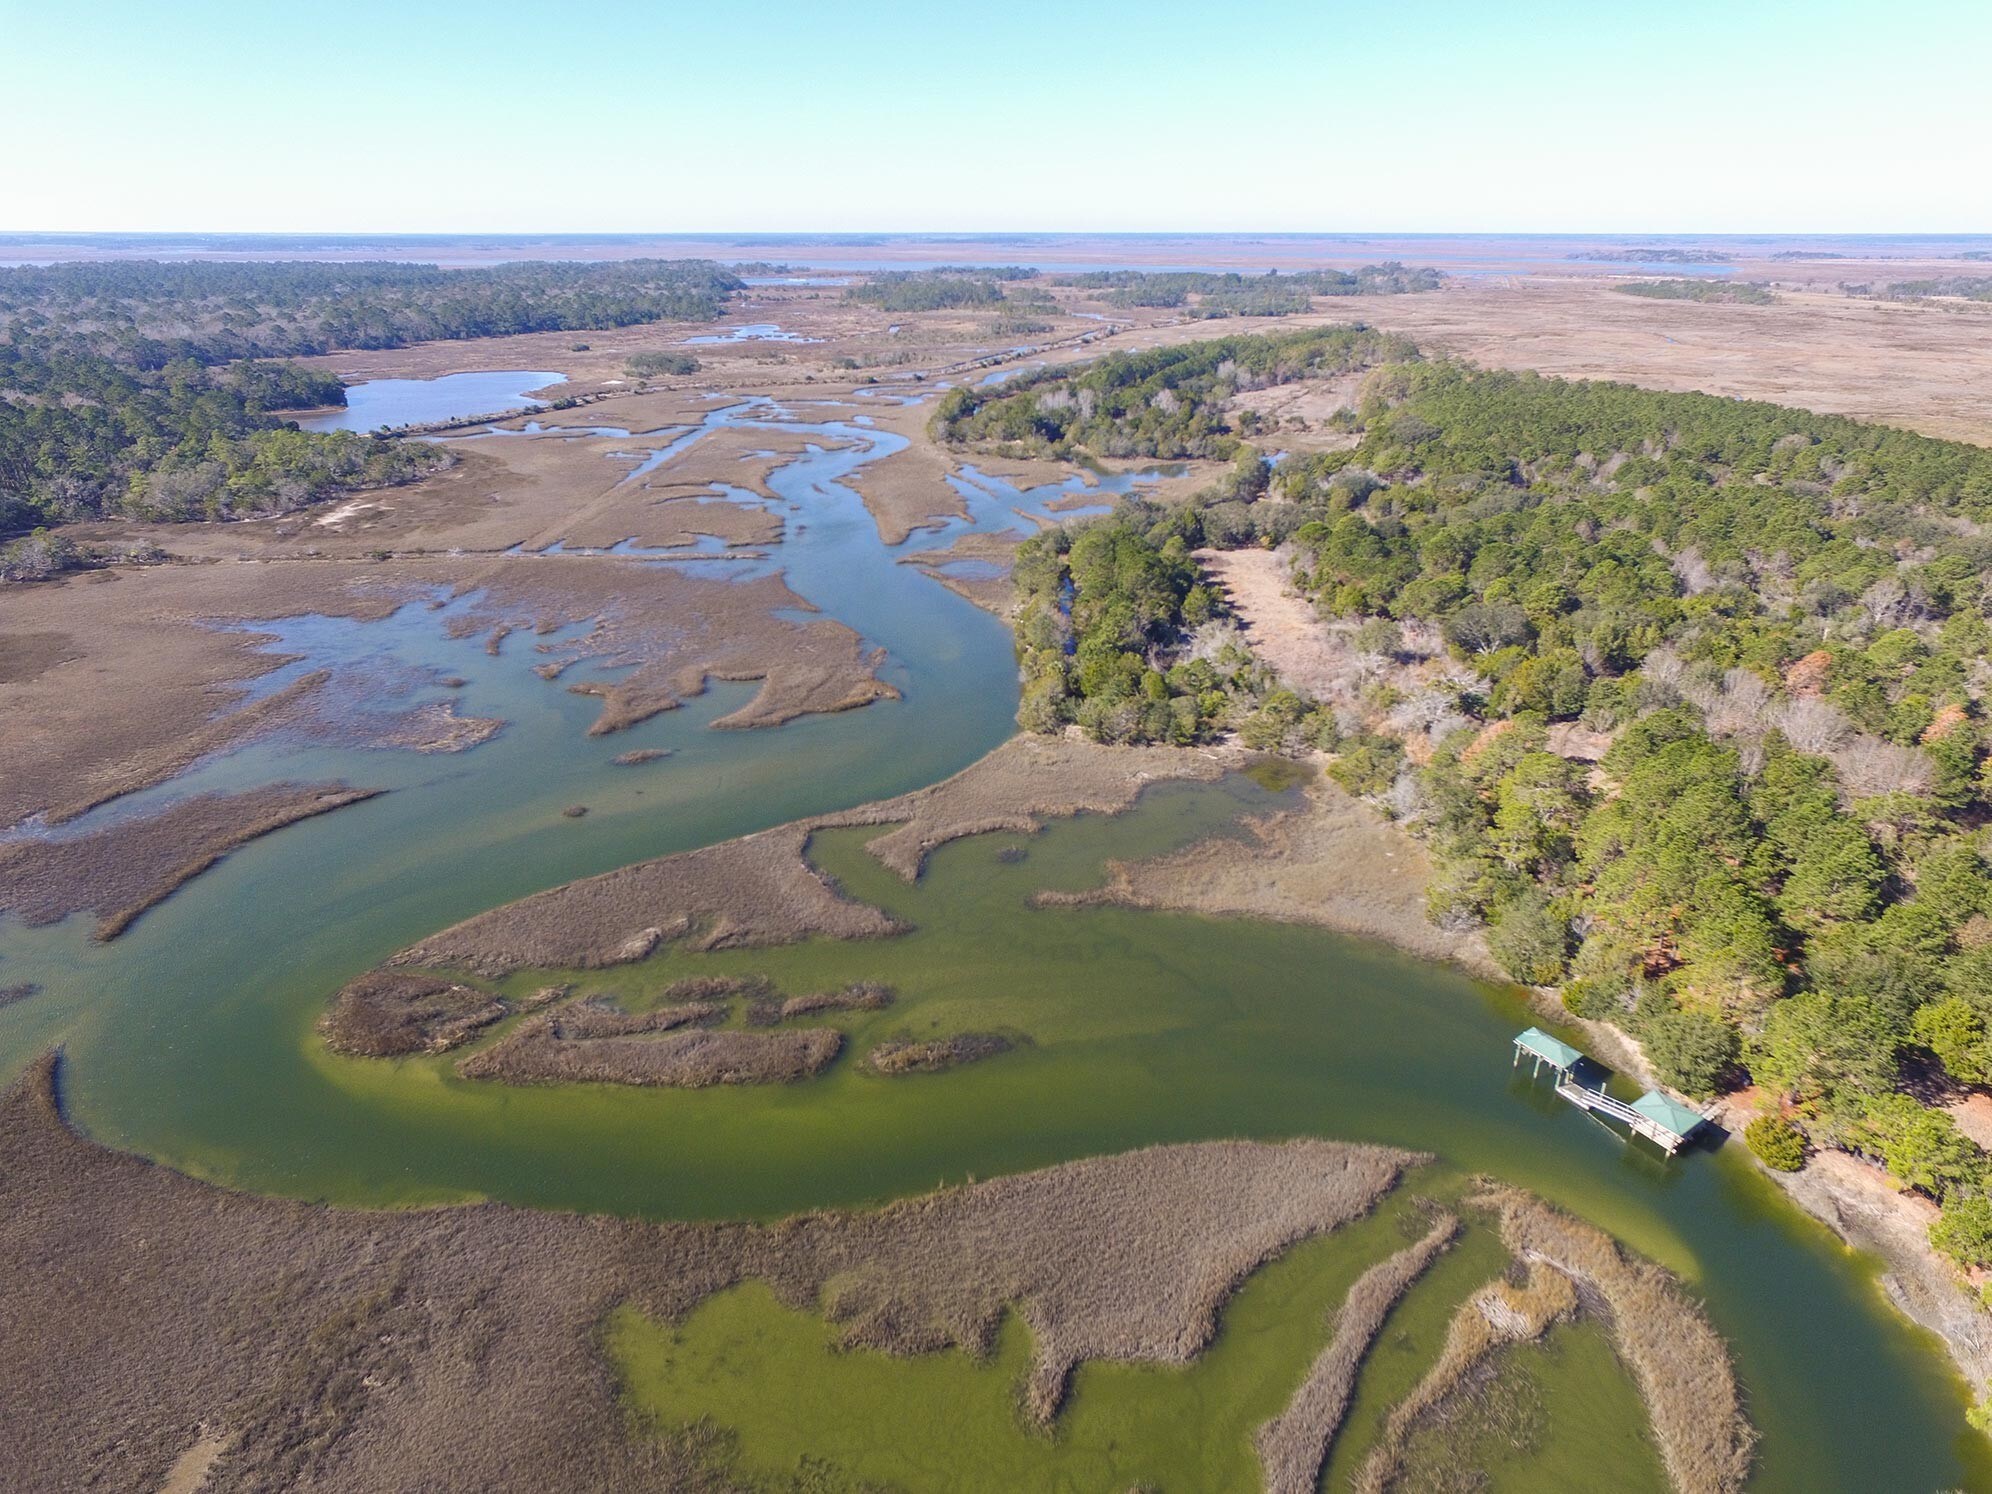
<point x="1858" y="1202"/>
<point x="1019" y="786"/>
<point x="1333" y="862"/>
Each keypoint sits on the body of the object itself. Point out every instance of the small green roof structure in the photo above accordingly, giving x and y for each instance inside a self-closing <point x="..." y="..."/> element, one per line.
<point x="1553" y="1051"/>
<point x="1669" y="1115"/>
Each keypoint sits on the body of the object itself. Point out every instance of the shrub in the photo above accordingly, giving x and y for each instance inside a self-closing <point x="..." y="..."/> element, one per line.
<point x="1691" y="1050"/>
<point x="1964" y="1230"/>
<point x="1779" y="1144"/>
<point x="1529" y="940"/>
<point x="37" y="557"/>
<point x="640" y="365"/>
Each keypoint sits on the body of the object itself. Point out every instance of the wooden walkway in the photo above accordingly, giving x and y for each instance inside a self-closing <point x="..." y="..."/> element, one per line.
<point x="1657" y="1116"/>
<point x="1618" y="1110"/>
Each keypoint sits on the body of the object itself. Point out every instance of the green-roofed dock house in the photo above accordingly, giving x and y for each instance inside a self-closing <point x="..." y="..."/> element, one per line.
<point x="1545" y="1049"/>
<point x="1662" y="1120"/>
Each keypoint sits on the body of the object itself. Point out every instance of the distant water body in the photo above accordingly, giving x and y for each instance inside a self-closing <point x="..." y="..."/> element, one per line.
<point x="777" y="258"/>
<point x="382" y="404"/>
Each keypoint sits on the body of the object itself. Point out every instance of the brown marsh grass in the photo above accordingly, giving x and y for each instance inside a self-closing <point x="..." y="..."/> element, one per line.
<point x="125" y="868"/>
<point x="1293" y="1445"/>
<point x="458" y="1348"/>
<point x="1677" y="1358"/>
<point x="1502" y="1312"/>
<point x="756" y="890"/>
<point x="931" y="1055"/>
<point x="863" y="996"/>
<point x="597" y="1043"/>
<point x="391" y="1013"/>
<point x="761" y="889"/>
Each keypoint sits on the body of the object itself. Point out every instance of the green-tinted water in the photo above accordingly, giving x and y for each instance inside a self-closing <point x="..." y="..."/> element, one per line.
<point x="777" y="1379"/>
<point x="191" y="1039"/>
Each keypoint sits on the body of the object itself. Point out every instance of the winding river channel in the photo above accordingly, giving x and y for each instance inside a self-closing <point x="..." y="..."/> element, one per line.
<point x="191" y="1040"/>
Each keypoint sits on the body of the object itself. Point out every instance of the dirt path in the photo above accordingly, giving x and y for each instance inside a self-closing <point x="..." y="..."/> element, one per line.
<point x="1282" y="627"/>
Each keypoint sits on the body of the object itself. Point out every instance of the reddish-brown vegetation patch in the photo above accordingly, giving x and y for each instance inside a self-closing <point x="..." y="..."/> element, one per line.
<point x="931" y="1055"/>
<point x="770" y="1011"/>
<point x="539" y="1053"/>
<point x="596" y="1042"/>
<point x="390" y="1013"/>
<point x="23" y="656"/>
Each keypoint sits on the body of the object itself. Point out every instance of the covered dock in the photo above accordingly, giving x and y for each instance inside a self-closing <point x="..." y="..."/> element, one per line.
<point x="1544" y="1049"/>
<point x="1660" y="1118"/>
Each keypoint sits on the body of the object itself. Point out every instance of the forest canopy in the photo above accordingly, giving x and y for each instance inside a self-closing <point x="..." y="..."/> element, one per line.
<point x="930" y="290"/>
<point x="1686" y="696"/>
<point x="144" y="315"/>
<point x="1165" y="402"/>
<point x="1209" y="294"/>
<point x="143" y="389"/>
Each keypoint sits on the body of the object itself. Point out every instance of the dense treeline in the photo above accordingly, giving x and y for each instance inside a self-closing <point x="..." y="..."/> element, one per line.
<point x="1969" y="287"/>
<point x="144" y="315"/>
<point x="985" y="272"/>
<point x="1165" y="402"/>
<point x="1714" y="292"/>
<point x="81" y="436"/>
<point x="1685" y="694"/>
<point x="1118" y="633"/>
<point x="135" y="388"/>
<point x="1208" y="294"/>
<point x="1654" y="256"/>
<point x="928" y="290"/>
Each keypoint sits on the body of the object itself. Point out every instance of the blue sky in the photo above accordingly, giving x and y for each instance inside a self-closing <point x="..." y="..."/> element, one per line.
<point x="1437" y="115"/>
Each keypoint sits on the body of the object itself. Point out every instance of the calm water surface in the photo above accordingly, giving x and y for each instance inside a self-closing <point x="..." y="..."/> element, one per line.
<point x="382" y="404"/>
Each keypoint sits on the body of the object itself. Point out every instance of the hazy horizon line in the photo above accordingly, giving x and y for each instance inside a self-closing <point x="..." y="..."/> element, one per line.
<point x="989" y="233"/>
